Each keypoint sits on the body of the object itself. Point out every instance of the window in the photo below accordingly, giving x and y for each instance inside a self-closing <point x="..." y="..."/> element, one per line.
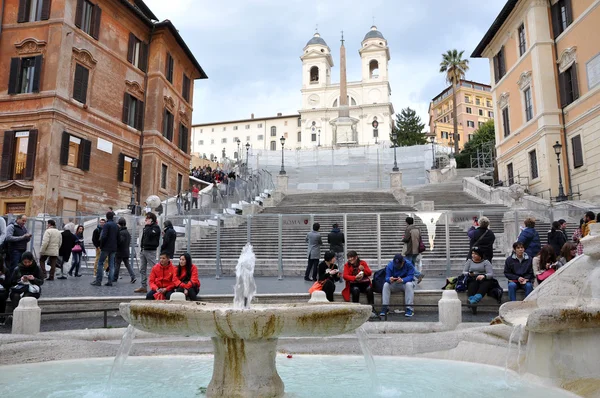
<point x="477" y="101"/>
<point x="223" y="140"/>
<point x="285" y="123"/>
<point x="201" y="142"/>
<point x="163" y="176"/>
<point x="522" y="41"/>
<point x="488" y="103"/>
<point x="273" y="145"/>
<point x="25" y="75"/>
<point x="299" y="136"/>
<point x="506" y="122"/>
<point x="185" y="88"/>
<point x="470" y="123"/>
<point x="375" y="133"/>
<point x="490" y="114"/>
<point x="224" y="128"/>
<point x="235" y="139"/>
<point x="444" y="135"/>
<point x="259" y="125"/>
<point x="235" y="128"/>
<point x="236" y="155"/>
<point x="577" y="151"/>
<point x="87" y="18"/>
<point x="179" y="183"/>
<point x="510" y="174"/>
<point x="313" y="137"/>
<point x="80" y="83"/>
<point x="314" y="75"/>
<point x="569" y="88"/>
<point x="33" y="10"/>
<point x="247" y="127"/>
<point x="18" y="155"/>
<point x="499" y="65"/>
<point x="528" y="104"/>
<point x="469" y="110"/>
<point x="299" y="122"/>
<point x="470" y="137"/>
<point x="481" y="112"/>
<point x="137" y="53"/>
<point x="479" y="124"/>
<point x="458" y="137"/>
<point x="467" y="99"/>
<point x="212" y="141"/>
<point x="133" y="112"/>
<point x="125" y="169"/>
<point x="168" y="123"/>
<point x="75" y="152"/>
<point x="247" y="138"/>
<point x="212" y="129"/>
<point x="260" y="137"/>
<point x="533" y="165"/>
<point x="183" y="138"/>
<point x="273" y="131"/>
<point x="373" y="69"/>
<point x="562" y="16"/>
<point x="169" y="68"/>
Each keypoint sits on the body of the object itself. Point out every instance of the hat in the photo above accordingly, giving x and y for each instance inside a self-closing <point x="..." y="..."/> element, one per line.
<point x="398" y="258"/>
<point x="478" y="250"/>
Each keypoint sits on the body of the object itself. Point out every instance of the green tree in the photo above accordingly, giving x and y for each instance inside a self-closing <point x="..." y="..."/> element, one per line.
<point x="408" y="129"/>
<point x="482" y="135"/>
<point x="455" y="68"/>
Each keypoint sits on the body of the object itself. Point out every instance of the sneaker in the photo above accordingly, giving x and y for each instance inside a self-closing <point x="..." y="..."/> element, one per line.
<point x="140" y="290"/>
<point x="96" y="283"/>
<point x="108" y="284"/>
<point x="373" y="315"/>
<point x="133" y="280"/>
<point x="420" y="278"/>
<point x="62" y="277"/>
<point x="408" y="312"/>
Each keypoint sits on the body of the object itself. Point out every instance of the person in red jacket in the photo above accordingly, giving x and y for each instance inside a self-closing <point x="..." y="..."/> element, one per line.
<point x="357" y="275"/>
<point x="163" y="279"/>
<point x="187" y="273"/>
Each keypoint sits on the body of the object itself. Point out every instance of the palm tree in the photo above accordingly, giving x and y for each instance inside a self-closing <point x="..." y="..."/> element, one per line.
<point x="455" y="68"/>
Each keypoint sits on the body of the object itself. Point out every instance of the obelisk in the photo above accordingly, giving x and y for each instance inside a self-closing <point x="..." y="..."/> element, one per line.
<point x="344" y="126"/>
<point x="344" y="111"/>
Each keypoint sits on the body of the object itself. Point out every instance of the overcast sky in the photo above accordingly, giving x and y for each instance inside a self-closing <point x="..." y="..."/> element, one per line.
<point x="250" y="49"/>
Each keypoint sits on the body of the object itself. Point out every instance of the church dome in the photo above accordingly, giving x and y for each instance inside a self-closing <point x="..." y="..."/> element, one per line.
<point x="373" y="34"/>
<point x="316" y="39"/>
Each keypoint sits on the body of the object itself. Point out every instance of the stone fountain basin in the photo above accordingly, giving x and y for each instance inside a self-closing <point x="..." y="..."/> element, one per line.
<point x="550" y="319"/>
<point x="258" y="322"/>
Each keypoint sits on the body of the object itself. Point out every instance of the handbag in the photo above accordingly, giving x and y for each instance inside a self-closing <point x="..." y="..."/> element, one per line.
<point x="421" y="245"/>
<point x="317" y="286"/>
<point x="544" y="275"/>
<point x="77" y="249"/>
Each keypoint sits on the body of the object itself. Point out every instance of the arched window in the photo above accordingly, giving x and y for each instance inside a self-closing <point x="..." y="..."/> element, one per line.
<point x="299" y="136"/>
<point x="314" y="74"/>
<point x="373" y="69"/>
<point x="235" y="155"/>
<point x="351" y="101"/>
<point x="273" y="145"/>
<point x="273" y="131"/>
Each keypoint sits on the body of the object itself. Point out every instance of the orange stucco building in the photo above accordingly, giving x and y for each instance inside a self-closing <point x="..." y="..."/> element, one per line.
<point x="545" y="67"/>
<point x="89" y="88"/>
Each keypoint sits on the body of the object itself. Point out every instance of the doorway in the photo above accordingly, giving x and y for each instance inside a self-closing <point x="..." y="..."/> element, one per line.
<point x="69" y="210"/>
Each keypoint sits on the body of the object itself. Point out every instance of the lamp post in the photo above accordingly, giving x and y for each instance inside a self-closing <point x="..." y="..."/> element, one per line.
<point x="561" y="193"/>
<point x="394" y="138"/>
<point x="247" y="149"/>
<point x="432" y="140"/>
<point x="282" y="171"/>
<point x="134" y="166"/>
<point x="238" y="151"/>
<point x="319" y="139"/>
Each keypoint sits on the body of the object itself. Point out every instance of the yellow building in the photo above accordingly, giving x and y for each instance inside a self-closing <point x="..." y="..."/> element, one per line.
<point x="474" y="108"/>
<point x="545" y="66"/>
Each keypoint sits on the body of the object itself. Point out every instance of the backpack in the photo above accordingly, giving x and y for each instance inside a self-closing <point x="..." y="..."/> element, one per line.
<point x="378" y="280"/>
<point x="461" y="283"/>
<point x="450" y="283"/>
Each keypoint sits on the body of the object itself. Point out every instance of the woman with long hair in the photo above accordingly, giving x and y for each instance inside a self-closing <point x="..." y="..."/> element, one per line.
<point x="77" y="251"/>
<point x="544" y="264"/>
<point x="577" y="235"/>
<point x="567" y="253"/>
<point x="187" y="273"/>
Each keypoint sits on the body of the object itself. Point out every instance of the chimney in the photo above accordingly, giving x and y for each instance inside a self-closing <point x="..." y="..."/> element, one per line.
<point x="278" y="113"/>
<point x="252" y="116"/>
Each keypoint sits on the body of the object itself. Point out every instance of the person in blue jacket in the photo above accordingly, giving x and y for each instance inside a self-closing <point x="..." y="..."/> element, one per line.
<point x="530" y="238"/>
<point x="399" y="276"/>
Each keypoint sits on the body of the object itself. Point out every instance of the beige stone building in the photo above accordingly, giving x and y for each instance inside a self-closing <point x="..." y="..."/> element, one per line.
<point x="545" y="67"/>
<point x="474" y="108"/>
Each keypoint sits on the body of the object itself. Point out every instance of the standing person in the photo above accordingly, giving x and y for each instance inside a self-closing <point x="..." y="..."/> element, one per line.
<point x="64" y="253"/>
<point x="4" y="289"/>
<point x="187" y="274"/>
<point x="563" y="228"/>
<point x="186" y="201"/>
<point x="483" y="237"/>
<point x="2" y="233"/>
<point x="169" y="237"/>
<point x="26" y="279"/>
<point x="51" y="242"/>
<point x="357" y="276"/>
<point x="577" y="237"/>
<point x="518" y="269"/>
<point x="17" y="238"/>
<point x="480" y="277"/>
<point x="215" y="192"/>
<point x="530" y="238"/>
<point x="96" y="243"/>
<point x="179" y="202"/>
<point x="163" y="279"/>
<point x="148" y="245"/>
<point x="77" y="251"/>
<point x="588" y="219"/>
<point x="337" y="240"/>
<point x="412" y="240"/>
<point x="556" y="237"/>
<point x="314" y="242"/>
<point x="399" y="277"/>
<point x="123" y="244"/>
<point x="108" y="248"/>
<point x="195" y="193"/>
<point x="328" y="274"/>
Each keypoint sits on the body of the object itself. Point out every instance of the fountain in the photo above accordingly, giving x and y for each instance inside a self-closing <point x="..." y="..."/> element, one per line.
<point x="562" y="321"/>
<point x="245" y="337"/>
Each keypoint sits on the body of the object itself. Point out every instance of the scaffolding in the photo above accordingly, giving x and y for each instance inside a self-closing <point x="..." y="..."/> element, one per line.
<point x="484" y="161"/>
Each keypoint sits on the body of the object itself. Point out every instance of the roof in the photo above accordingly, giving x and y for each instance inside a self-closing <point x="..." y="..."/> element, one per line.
<point x="256" y="119"/>
<point x="449" y="88"/>
<point x="316" y="39"/>
<point x="374" y="34"/>
<point x="493" y="30"/>
<point x="145" y="10"/>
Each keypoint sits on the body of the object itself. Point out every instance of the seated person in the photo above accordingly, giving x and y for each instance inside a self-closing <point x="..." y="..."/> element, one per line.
<point x="4" y="289"/>
<point x="328" y="274"/>
<point x="357" y="276"/>
<point x="518" y="269"/>
<point x="187" y="273"/>
<point x="163" y="279"/>
<point x="567" y="253"/>
<point x="399" y="276"/>
<point x="26" y="279"/>
<point x="544" y="264"/>
<point x="480" y="277"/>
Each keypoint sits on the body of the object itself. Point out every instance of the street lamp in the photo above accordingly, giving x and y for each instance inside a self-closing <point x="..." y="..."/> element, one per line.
<point x="134" y="166"/>
<point x="247" y="149"/>
<point x="394" y="138"/>
<point x="282" y="171"/>
<point x="432" y="140"/>
<point x="238" y="151"/>
<point x="561" y="193"/>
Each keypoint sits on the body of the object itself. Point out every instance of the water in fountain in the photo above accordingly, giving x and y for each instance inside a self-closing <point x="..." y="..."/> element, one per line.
<point x="245" y="287"/>
<point x="516" y="329"/>
<point x="122" y="354"/>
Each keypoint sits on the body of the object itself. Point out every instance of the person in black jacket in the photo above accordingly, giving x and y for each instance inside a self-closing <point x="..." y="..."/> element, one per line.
<point x="108" y="248"/>
<point x="328" y="274"/>
<point x="96" y="243"/>
<point x="482" y="237"/>
<point x="123" y="243"/>
<point x="518" y="269"/>
<point x="64" y="252"/>
<point x="169" y="237"/>
<point x="148" y="246"/>
<point x="336" y="242"/>
<point x="4" y="289"/>
<point x="556" y="238"/>
<point x="26" y="280"/>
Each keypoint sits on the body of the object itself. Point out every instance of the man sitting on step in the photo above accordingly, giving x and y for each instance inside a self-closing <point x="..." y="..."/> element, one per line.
<point x="399" y="276"/>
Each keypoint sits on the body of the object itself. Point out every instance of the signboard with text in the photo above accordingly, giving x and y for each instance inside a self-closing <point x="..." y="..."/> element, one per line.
<point x="296" y="221"/>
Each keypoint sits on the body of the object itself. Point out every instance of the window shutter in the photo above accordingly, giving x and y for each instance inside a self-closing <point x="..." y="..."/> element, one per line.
<point x="131" y="48"/>
<point x="84" y="84"/>
<point x="575" y="82"/>
<point x="85" y="151"/>
<point x="496" y="71"/>
<point x="180" y="136"/>
<point x="31" y="153"/>
<point x="37" y="73"/>
<point x="121" y="167"/>
<point x="169" y="68"/>
<point x="185" y="140"/>
<point x="23" y="11"/>
<point x="143" y="64"/>
<point x="562" y="87"/>
<point x="77" y="83"/>
<point x="125" y="108"/>
<point x="64" y="148"/>
<point x="502" y="63"/>
<point x="13" y="80"/>
<point x="165" y="123"/>
<point x="577" y="151"/>
<point x="95" y="25"/>
<point x="185" y="88"/>
<point x="79" y="13"/>
<point x="46" y="10"/>
<point x="7" y="155"/>
<point x="139" y="117"/>
<point x="569" y="9"/>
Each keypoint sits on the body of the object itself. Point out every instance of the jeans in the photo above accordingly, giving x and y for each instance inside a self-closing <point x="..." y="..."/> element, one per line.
<point x="194" y="202"/>
<point x="357" y="288"/>
<point x="75" y="263"/>
<point x="15" y="258"/>
<point x="111" y="266"/>
<point x="96" y="261"/>
<point x="414" y="259"/>
<point x="146" y="257"/>
<point x="407" y="288"/>
<point x="118" y="261"/>
<point x="513" y="286"/>
<point x="151" y="293"/>
<point x="179" y="209"/>
<point x="339" y="260"/>
<point x="192" y="293"/>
